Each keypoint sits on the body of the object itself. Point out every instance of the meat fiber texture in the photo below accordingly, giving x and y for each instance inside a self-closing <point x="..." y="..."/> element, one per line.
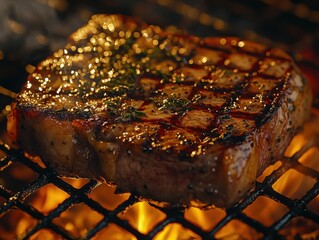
<point x="170" y="117"/>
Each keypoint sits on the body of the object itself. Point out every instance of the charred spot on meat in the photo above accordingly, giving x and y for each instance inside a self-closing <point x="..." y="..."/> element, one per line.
<point x="170" y="117"/>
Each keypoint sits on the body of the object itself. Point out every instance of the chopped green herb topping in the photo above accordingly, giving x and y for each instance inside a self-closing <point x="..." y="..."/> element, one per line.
<point x="173" y="104"/>
<point x="126" y="114"/>
<point x="130" y="114"/>
<point x="113" y="107"/>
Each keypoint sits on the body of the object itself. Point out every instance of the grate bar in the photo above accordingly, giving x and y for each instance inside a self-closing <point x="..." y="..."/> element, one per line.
<point x="307" y="171"/>
<point x="5" y="161"/>
<point x="159" y="227"/>
<point x="21" y="195"/>
<point x="297" y="208"/>
<point x="111" y="216"/>
<point x="311" y="215"/>
<point x="311" y="194"/>
<point x="220" y="225"/>
<point x="30" y="210"/>
<point x="18" y="155"/>
<point x="73" y="199"/>
<point x="193" y="228"/>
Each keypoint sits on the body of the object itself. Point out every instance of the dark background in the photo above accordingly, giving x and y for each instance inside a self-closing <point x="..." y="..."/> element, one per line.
<point x="33" y="29"/>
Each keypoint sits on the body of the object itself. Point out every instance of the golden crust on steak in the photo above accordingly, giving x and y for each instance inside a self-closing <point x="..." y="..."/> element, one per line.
<point x="171" y="117"/>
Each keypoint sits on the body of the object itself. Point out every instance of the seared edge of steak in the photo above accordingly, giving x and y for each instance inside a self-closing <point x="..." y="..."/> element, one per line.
<point x="199" y="130"/>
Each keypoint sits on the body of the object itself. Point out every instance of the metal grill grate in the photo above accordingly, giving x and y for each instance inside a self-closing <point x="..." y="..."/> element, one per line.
<point x="296" y="207"/>
<point x="301" y="210"/>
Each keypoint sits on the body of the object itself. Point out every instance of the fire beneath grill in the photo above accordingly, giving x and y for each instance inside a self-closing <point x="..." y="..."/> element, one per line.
<point x="37" y="204"/>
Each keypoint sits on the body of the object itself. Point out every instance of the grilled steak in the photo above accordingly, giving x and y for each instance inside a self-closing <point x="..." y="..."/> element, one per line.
<point x="170" y="117"/>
